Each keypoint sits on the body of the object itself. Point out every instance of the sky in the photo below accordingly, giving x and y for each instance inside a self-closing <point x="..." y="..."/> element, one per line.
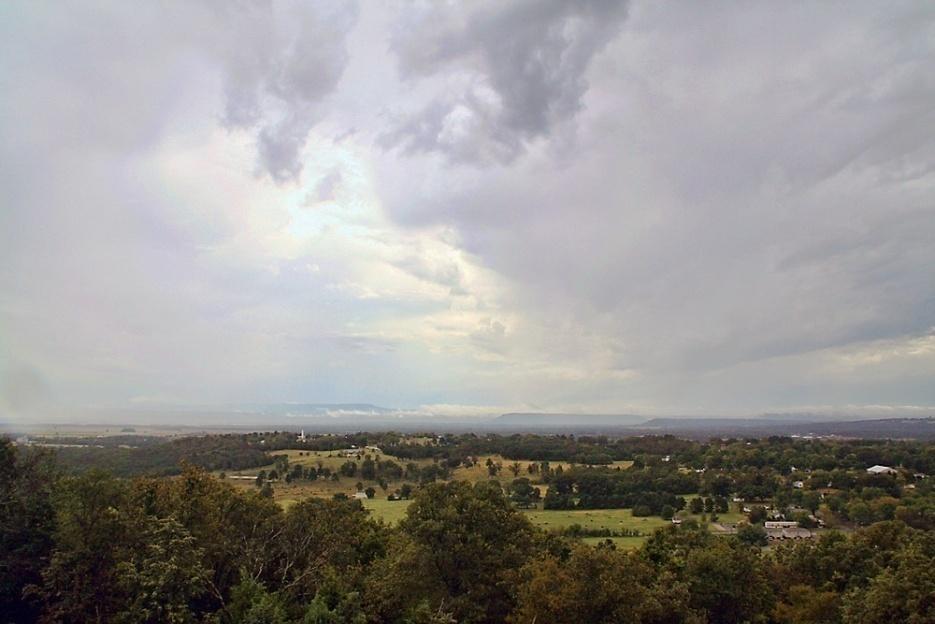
<point x="585" y="206"/>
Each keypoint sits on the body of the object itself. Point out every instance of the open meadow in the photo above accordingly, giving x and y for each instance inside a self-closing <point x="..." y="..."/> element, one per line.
<point x="392" y="511"/>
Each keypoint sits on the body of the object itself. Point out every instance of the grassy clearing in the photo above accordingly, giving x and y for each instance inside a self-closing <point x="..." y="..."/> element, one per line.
<point x="614" y="519"/>
<point x="552" y="520"/>
<point x="622" y="543"/>
<point x="389" y="511"/>
<point x="479" y="471"/>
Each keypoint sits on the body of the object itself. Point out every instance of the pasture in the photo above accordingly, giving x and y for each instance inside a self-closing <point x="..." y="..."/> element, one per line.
<point x="594" y="519"/>
<point x="391" y="512"/>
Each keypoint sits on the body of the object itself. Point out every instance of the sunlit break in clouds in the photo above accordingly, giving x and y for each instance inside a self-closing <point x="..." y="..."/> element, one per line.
<point x="462" y="208"/>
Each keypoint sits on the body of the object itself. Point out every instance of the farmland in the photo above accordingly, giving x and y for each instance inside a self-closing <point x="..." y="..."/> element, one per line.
<point x="392" y="511"/>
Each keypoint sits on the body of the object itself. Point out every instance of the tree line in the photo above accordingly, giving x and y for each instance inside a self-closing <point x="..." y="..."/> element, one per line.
<point x="95" y="548"/>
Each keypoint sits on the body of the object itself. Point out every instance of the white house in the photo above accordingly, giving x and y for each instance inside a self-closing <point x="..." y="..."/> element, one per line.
<point x="360" y="495"/>
<point x="878" y="469"/>
<point x="798" y="485"/>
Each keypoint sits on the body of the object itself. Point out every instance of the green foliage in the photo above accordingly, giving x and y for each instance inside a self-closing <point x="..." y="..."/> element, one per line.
<point x="162" y="575"/>
<point x="752" y="534"/>
<point x="26" y="527"/>
<point x="251" y="603"/>
<point x="474" y="539"/>
<point x="599" y="586"/>
<point x="903" y="592"/>
<point x="156" y="456"/>
<point x="94" y="548"/>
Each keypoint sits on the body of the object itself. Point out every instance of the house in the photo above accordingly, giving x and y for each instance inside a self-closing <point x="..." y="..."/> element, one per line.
<point x="878" y="469"/>
<point x="788" y="533"/>
<point x="373" y="449"/>
<point x="360" y="495"/>
<point x="676" y="521"/>
<point x="798" y="484"/>
<point x="780" y="524"/>
<point x="301" y="437"/>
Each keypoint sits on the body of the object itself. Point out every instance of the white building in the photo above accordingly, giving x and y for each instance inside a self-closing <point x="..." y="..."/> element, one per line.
<point x="360" y="495"/>
<point x="878" y="469"/>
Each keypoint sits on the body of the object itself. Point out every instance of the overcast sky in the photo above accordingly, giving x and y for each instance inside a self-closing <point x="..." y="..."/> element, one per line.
<point x="659" y="208"/>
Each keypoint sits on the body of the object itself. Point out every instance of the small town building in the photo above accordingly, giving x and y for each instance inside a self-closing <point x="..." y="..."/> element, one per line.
<point x="878" y="469"/>
<point x="794" y="533"/>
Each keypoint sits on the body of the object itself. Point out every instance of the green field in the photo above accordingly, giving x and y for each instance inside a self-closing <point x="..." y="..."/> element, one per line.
<point x="622" y="543"/>
<point x="615" y="519"/>
<point x="389" y="511"/>
<point x="392" y="512"/>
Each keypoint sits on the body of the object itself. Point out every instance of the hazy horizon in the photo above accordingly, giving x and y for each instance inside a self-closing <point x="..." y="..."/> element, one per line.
<point x="468" y="209"/>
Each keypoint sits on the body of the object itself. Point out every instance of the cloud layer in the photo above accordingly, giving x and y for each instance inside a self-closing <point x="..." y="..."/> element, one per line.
<point x="586" y="205"/>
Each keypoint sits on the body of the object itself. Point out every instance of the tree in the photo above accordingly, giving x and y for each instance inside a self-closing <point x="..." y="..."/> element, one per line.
<point x="752" y="534"/>
<point x="368" y="470"/>
<point x="757" y="514"/>
<point x="26" y="526"/>
<point x="78" y="581"/>
<point x="900" y="593"/>
<point x="696" y="505"/>
<point x="598" y="586"/>
<point x="806" y="605"/>
<point x="161" y="575"/>
<point x="728" y="581"/>
<point x="370" y="492"/>
<point x="251" y="603"/>
<point x="515" y="469"/>
<point x="323" y="546"/>
<point x="474" y="540"/>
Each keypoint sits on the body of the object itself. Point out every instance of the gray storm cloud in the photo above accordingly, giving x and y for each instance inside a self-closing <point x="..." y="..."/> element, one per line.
<point x="518" y="71"/>
<point x="278" y="66"/>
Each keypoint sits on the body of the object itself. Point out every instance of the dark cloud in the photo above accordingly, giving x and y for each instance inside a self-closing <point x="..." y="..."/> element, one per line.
<point x="278" y="68"/>
<point x="738" y="191"/>
<point x="512" y="72"/>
